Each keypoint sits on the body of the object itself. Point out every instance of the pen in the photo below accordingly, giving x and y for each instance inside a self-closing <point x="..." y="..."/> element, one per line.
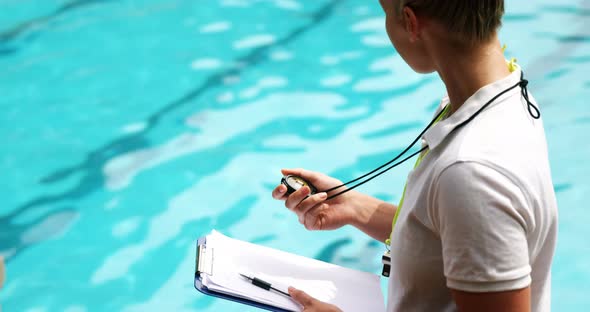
<point x="262" y="284"/>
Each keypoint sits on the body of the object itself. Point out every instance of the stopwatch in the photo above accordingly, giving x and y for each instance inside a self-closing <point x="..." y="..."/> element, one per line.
<point x="294" y="183"/>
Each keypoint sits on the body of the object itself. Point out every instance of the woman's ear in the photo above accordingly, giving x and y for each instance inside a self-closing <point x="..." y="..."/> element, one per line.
<point x="411" y="23"/>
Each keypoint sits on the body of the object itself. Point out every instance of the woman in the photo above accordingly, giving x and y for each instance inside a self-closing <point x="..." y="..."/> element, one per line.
<point x="477" y="225"/>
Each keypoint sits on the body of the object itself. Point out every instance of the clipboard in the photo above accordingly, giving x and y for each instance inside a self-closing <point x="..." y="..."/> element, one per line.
<point x="220" y="259"/>
<point x="203" y="265"/>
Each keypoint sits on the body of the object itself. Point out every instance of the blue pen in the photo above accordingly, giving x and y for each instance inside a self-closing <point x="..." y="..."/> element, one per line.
<point x="262" y="284"/>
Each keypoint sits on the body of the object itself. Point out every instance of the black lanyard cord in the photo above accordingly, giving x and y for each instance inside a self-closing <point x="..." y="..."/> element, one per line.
<point x="532" y="109"/>
<point x="387" y="163"/>
<point x="378" y="174"/>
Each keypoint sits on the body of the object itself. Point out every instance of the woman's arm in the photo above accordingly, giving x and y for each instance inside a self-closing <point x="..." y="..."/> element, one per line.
<point x="374" y="216"/>
<point x="508" y="301"/>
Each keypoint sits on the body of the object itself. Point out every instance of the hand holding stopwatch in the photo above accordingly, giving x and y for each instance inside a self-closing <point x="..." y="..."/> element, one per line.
<point x="294" y="183"/>
<point x="310" y="203"/>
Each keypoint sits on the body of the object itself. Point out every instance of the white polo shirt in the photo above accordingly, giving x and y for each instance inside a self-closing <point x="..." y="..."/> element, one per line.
<point x="479" y="213"/>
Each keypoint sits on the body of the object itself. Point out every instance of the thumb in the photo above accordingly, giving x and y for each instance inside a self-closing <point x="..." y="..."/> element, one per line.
<point x="301" y="297"/>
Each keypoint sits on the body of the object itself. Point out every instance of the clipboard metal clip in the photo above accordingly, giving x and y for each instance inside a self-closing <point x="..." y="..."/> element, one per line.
<point x="204" y="262"/>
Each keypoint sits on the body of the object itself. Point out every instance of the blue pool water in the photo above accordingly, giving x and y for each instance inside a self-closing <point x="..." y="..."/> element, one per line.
<point x="130" y="128"/>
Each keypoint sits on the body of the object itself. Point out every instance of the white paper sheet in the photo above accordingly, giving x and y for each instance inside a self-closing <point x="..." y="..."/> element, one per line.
<point x="350" y="290"/>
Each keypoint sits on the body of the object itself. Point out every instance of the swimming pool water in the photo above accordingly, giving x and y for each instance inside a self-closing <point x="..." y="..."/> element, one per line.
<point x="130" y="128"/>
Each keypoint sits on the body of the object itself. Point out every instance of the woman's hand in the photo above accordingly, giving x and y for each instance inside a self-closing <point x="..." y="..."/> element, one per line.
<point x="314" y="212"/>
<point x="311" y="304"/>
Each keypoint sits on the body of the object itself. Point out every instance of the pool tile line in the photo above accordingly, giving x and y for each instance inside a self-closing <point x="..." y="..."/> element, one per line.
<point x="16" y="31"/>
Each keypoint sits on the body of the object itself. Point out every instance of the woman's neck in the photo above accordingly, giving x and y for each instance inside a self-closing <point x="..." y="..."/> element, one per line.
<point x="470" y="69"/>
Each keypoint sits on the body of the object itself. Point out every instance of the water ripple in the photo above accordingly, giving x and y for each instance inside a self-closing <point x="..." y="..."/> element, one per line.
<point x="90" y="169"/>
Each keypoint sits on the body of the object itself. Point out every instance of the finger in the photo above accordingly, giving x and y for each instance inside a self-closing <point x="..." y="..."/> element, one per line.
<point x="280" y="192"/>
<point x="301" y="297"/>
<point x="297" y="197"/>
<point x="309" y="203"/>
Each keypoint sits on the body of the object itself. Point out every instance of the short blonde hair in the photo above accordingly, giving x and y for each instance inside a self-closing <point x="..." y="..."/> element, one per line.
<point x="470" y="21"/>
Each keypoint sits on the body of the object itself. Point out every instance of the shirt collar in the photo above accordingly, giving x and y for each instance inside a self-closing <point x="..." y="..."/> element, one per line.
<point x="438" y="132"/>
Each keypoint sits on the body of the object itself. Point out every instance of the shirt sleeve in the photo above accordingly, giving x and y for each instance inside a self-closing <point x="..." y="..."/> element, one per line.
<point x="483" y="220"/>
